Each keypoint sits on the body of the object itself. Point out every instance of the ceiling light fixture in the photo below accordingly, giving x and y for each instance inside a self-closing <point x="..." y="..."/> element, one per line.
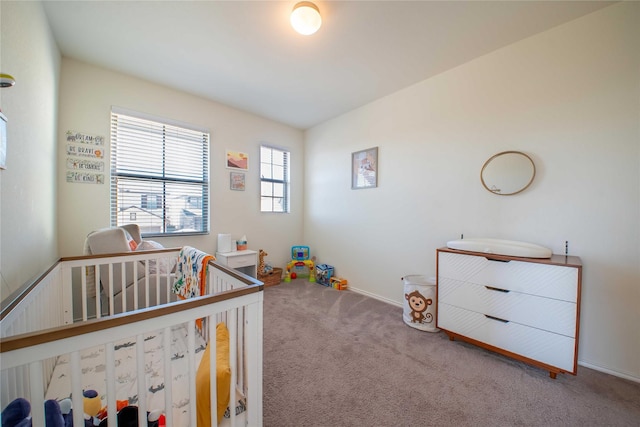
<point x="7" y="80"/>
<point x="305" y="18"/>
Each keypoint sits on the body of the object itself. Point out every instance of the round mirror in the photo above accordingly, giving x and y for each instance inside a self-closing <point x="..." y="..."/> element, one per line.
<point x="507" y="173"/>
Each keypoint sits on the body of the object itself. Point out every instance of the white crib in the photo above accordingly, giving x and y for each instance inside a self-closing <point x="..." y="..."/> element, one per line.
<point x="53" y="319"/>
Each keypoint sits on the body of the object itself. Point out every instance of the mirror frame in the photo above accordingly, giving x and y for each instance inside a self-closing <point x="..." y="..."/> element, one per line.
<point x="533" y="175"/>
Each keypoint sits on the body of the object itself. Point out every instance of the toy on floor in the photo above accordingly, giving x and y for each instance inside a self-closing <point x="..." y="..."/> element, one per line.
<point x="324" y="272"/>
<point x="263" y="268"/>
<point x="267" y="274"/>
<point x="300" y="265"/>
<point x="338" y="283"/>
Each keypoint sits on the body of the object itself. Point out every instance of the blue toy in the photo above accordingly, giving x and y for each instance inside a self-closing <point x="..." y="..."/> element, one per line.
<point x="17" y="413"/>
<point x="300" y="253"/>
<point x="324" y="273"/>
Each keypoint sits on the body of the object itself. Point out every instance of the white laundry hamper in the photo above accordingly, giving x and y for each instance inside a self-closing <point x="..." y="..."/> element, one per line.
<point x="419" y="302"/>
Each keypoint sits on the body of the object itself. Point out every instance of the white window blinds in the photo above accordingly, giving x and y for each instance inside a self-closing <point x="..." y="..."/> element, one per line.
<point x="159" y="175"/>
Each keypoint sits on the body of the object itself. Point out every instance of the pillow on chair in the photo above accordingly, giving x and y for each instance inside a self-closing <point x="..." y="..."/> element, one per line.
<point x="107" y="241"/>
<point x="164" y="265"/>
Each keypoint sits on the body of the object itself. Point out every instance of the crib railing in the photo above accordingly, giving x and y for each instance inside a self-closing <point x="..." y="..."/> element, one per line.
<point x="111" y="284"/>
<point x="75" y="283"/>
<point x="34" y="333"/>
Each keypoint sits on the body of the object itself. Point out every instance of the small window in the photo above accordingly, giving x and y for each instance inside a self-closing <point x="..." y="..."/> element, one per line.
<point x="151" y="201"/>
<point x="159" y="175"/>
<point x="274" y="180"/>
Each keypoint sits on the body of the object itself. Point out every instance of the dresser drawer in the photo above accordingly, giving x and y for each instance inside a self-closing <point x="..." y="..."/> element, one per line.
<point x="529" y="310"/>
<point x="546" y="347"/>
<point x="241" y="261"/>
<point x="532" y="278"/>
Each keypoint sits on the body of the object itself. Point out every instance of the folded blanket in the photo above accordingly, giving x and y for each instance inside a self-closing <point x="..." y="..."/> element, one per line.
<point x="191" y="272"/>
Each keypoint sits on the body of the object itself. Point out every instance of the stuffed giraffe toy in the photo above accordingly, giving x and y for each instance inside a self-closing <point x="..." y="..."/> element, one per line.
<point x="261" y="256"/>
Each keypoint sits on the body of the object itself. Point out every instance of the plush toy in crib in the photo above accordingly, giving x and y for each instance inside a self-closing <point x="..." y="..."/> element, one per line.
<point x="128" y="417"/>
<point x="102" y="414"/>
<point x="91" y="404"/>
<point x="56" y="414"/>
<point x="16" y="414"/>
<point x="60" y="414"/>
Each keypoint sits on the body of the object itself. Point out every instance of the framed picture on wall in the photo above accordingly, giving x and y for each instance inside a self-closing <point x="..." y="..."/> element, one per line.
<point x="364" y="169"/>
<point x="237" y="181"/>
<point x="237" y="160"/>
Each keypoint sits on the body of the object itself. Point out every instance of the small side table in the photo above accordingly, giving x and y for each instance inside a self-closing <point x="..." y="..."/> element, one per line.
<point x="244" y="261"/>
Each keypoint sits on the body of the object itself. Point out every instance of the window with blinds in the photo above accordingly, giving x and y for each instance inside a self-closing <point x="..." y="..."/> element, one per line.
<point x="159" y="175"/>
<point x="274" y="180"/>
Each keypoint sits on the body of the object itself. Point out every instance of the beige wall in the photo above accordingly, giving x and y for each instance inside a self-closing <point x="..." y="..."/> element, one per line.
<point x="568" y="97"/>
<point x="28" y="199"/>
<point x="87" y="94"/>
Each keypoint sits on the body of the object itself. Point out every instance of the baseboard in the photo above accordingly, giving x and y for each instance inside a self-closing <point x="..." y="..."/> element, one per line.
<point x="609" y="371"/>
<point x="581" y="363"/>
<point x="375" y="296"/>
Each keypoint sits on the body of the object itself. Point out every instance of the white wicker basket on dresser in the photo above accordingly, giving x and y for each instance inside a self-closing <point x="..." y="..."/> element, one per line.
<point x="524" y="308"/>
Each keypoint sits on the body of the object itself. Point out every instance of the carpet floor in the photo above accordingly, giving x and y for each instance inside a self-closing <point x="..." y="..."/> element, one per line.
<point x="339" y="358"/>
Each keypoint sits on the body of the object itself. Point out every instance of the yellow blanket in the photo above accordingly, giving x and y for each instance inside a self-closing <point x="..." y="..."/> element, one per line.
<point x="223" y="379"/>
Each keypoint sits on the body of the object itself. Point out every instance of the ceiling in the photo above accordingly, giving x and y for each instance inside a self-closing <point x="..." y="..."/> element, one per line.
<point x="246" y="55"/>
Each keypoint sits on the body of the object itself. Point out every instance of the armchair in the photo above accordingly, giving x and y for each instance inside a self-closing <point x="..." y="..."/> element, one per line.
<point x="125" y="239"/>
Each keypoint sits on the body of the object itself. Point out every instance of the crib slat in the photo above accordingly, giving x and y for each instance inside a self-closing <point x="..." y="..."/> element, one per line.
<point x="169" y="286"/>
<point x="135" y="286"/>
<point x="191" y="341"/>
<point x="97" y="284"/>
<point x="65" y="277"/>
<point x="240" y="345"/>
<point x="253" y="348"/>
<point x="110" y="372"/>
<point x="83" y="291"/>
<point x="123" y="279"/>
<point x="110" y="295"/>
<point x="76" y="388"/>
<point x="168" y="375"/>
<point x="232" y="324"/>
<point x="158" y="293"/>
<point x="12" y="382"/>
<point x="37" y="393"/>
<point x="213" y="389"/>
<point x="4" y="385"/>
<point x="146" y="284"/>
<point x="142" y="380"/>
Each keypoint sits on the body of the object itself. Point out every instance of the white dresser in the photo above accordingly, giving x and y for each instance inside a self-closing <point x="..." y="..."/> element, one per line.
<point x="523" y="308"/>
<point x="245" y="261"/>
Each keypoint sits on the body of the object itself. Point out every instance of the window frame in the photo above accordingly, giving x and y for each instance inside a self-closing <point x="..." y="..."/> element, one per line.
<point x="286" y="181"/>
<point x="194" y="138"/>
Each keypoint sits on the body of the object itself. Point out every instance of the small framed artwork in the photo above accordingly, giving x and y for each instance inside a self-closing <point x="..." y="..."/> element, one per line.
<point x="237" y="160"/>
<point x="237" y="181"/>
<point x="364" y="169"/>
